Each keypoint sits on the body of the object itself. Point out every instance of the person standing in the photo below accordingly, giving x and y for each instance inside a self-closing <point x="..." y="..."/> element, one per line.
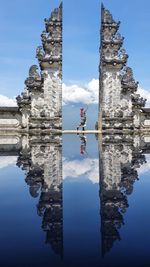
<point x="83" y="118"/>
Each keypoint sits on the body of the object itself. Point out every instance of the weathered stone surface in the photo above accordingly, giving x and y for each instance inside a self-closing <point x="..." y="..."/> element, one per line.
<point x="120" y="157"/>
<point x="40" y="105"/>
<point x="41" y="159"/>
<point x="10" y="118"/>
<point x="119" y="106"/>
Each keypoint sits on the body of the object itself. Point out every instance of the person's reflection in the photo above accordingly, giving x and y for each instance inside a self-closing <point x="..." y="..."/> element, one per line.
<point x="118" y="164"/>
<point x="43" y="169"/>
<point x="83" y="141"/>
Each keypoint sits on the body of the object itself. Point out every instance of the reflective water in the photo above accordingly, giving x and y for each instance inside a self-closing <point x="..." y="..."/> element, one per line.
<point x="83" y="203"/>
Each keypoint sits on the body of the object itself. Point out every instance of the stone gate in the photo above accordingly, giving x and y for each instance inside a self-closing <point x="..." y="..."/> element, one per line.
<point x="40" y="105"/>
<point x="121" y="108"/>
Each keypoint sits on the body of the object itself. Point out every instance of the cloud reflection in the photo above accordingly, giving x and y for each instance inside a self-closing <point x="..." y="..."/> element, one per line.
<point x="86" y="169"/>
<point x="5" y="161"/>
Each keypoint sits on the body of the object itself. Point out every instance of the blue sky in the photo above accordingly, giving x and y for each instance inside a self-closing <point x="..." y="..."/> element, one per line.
<point x="21" y="23"/>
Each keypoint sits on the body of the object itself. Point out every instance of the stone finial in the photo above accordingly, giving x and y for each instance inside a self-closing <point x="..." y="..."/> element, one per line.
<point x="50" y="53"/>
<point x="23" y="100"/>
<point x="138" y="101"/>
<point x="107" y="17"/>
<point x="34" y="79"/>
<point x="33" y="71"/>
<point x="127" y="81"/>
<point x="127" y="76"/>
<point x="56" y="17"/>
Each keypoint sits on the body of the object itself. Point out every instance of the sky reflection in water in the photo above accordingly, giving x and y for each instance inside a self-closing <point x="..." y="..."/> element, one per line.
<point x="98" y="216"/>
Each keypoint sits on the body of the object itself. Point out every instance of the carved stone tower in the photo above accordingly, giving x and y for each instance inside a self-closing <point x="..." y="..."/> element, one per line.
<point x="41" y="159"/>
<point x="119" y="106"/>
<point x="119" y="162"/>
<point x="50" y="60"/>
<point x="41" y="102"/>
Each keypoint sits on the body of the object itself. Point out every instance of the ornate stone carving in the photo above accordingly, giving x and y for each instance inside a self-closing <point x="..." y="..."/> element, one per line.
<point x="119" y="162"/>
<point x="24" y="99"/>
<point x="41" y="102"/>
<point x="34" y="79"/>
<point x="44" y="37"/>
<point x="40" y="53"/>
<point x="41" y="160"/>
<point x="138" y="101"/>
<point x="127" y="81"/>
<point x="107" y="19"/>
<point x="118" y="38"/>
<point x="117" y="85"/>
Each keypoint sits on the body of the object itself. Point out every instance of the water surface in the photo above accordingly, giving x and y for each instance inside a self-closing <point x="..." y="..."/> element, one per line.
<point x="83" y="203"/>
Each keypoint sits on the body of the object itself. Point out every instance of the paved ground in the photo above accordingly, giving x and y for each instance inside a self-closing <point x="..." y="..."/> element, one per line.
<point x="80" y="132"/>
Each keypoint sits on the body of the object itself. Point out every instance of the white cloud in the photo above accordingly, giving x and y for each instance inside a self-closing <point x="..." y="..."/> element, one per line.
<point x="5" y="161"/>
<point x="87" y="168"/>
<point x="87" y="94"/>
<point x="7" y="102"/>
<point x="145" y="94"/>
<point x="145" y="167"/>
